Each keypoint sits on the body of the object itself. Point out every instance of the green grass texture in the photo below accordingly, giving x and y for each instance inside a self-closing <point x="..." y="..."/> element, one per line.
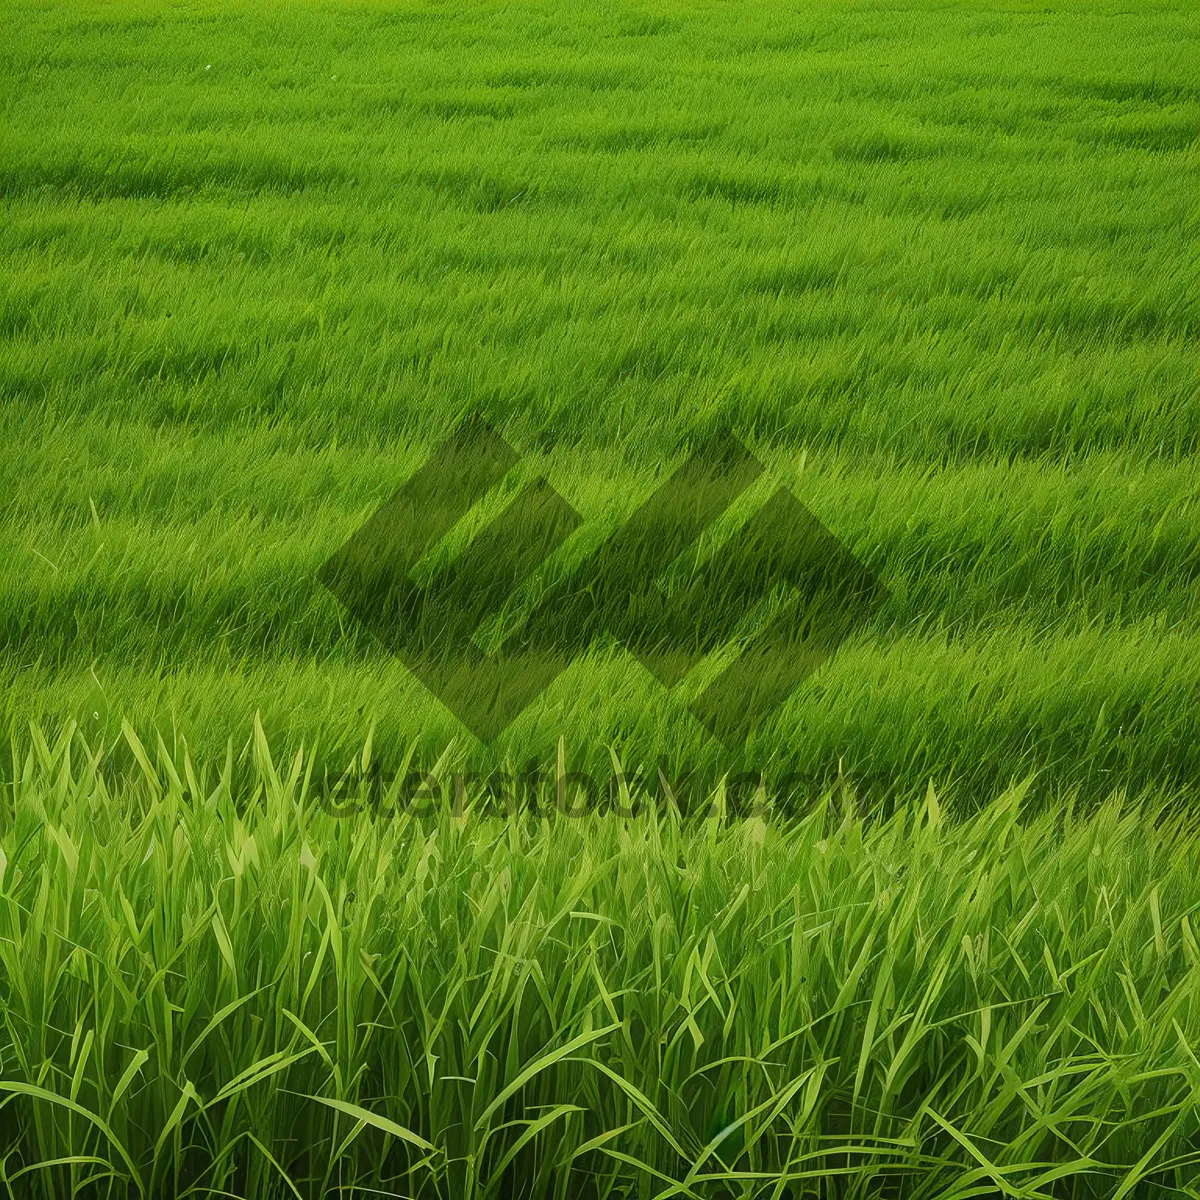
<point x="937" y="267"/>
<point x="214" y="986"/>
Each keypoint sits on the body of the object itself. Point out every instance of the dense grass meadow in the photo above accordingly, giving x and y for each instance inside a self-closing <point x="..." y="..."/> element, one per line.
<point x="213" y="987"/>
<point x="937" y="267"/>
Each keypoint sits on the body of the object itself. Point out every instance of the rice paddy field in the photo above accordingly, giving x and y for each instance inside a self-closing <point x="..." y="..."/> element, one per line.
<point x="936" y="267"/>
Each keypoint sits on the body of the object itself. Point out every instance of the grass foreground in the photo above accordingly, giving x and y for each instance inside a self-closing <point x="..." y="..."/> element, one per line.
<point x="211" y="986"/>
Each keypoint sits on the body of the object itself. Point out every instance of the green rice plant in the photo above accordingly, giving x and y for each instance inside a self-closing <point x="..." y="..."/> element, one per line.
<point x="213" y="985"/>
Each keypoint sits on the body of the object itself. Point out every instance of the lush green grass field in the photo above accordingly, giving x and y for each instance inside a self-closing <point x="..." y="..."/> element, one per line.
<point x="938" y="267"/>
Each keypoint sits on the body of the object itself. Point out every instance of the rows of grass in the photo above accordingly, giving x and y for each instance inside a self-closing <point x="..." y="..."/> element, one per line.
<point x="937" y="233"/>
<point x="1081" y="720"/>
<point x="834" y="324"/>
<point x="1039" y="616"/>
<point x="213" y="985"/>
<point x="938" y="269"/>
<point x="970" y="552"/>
